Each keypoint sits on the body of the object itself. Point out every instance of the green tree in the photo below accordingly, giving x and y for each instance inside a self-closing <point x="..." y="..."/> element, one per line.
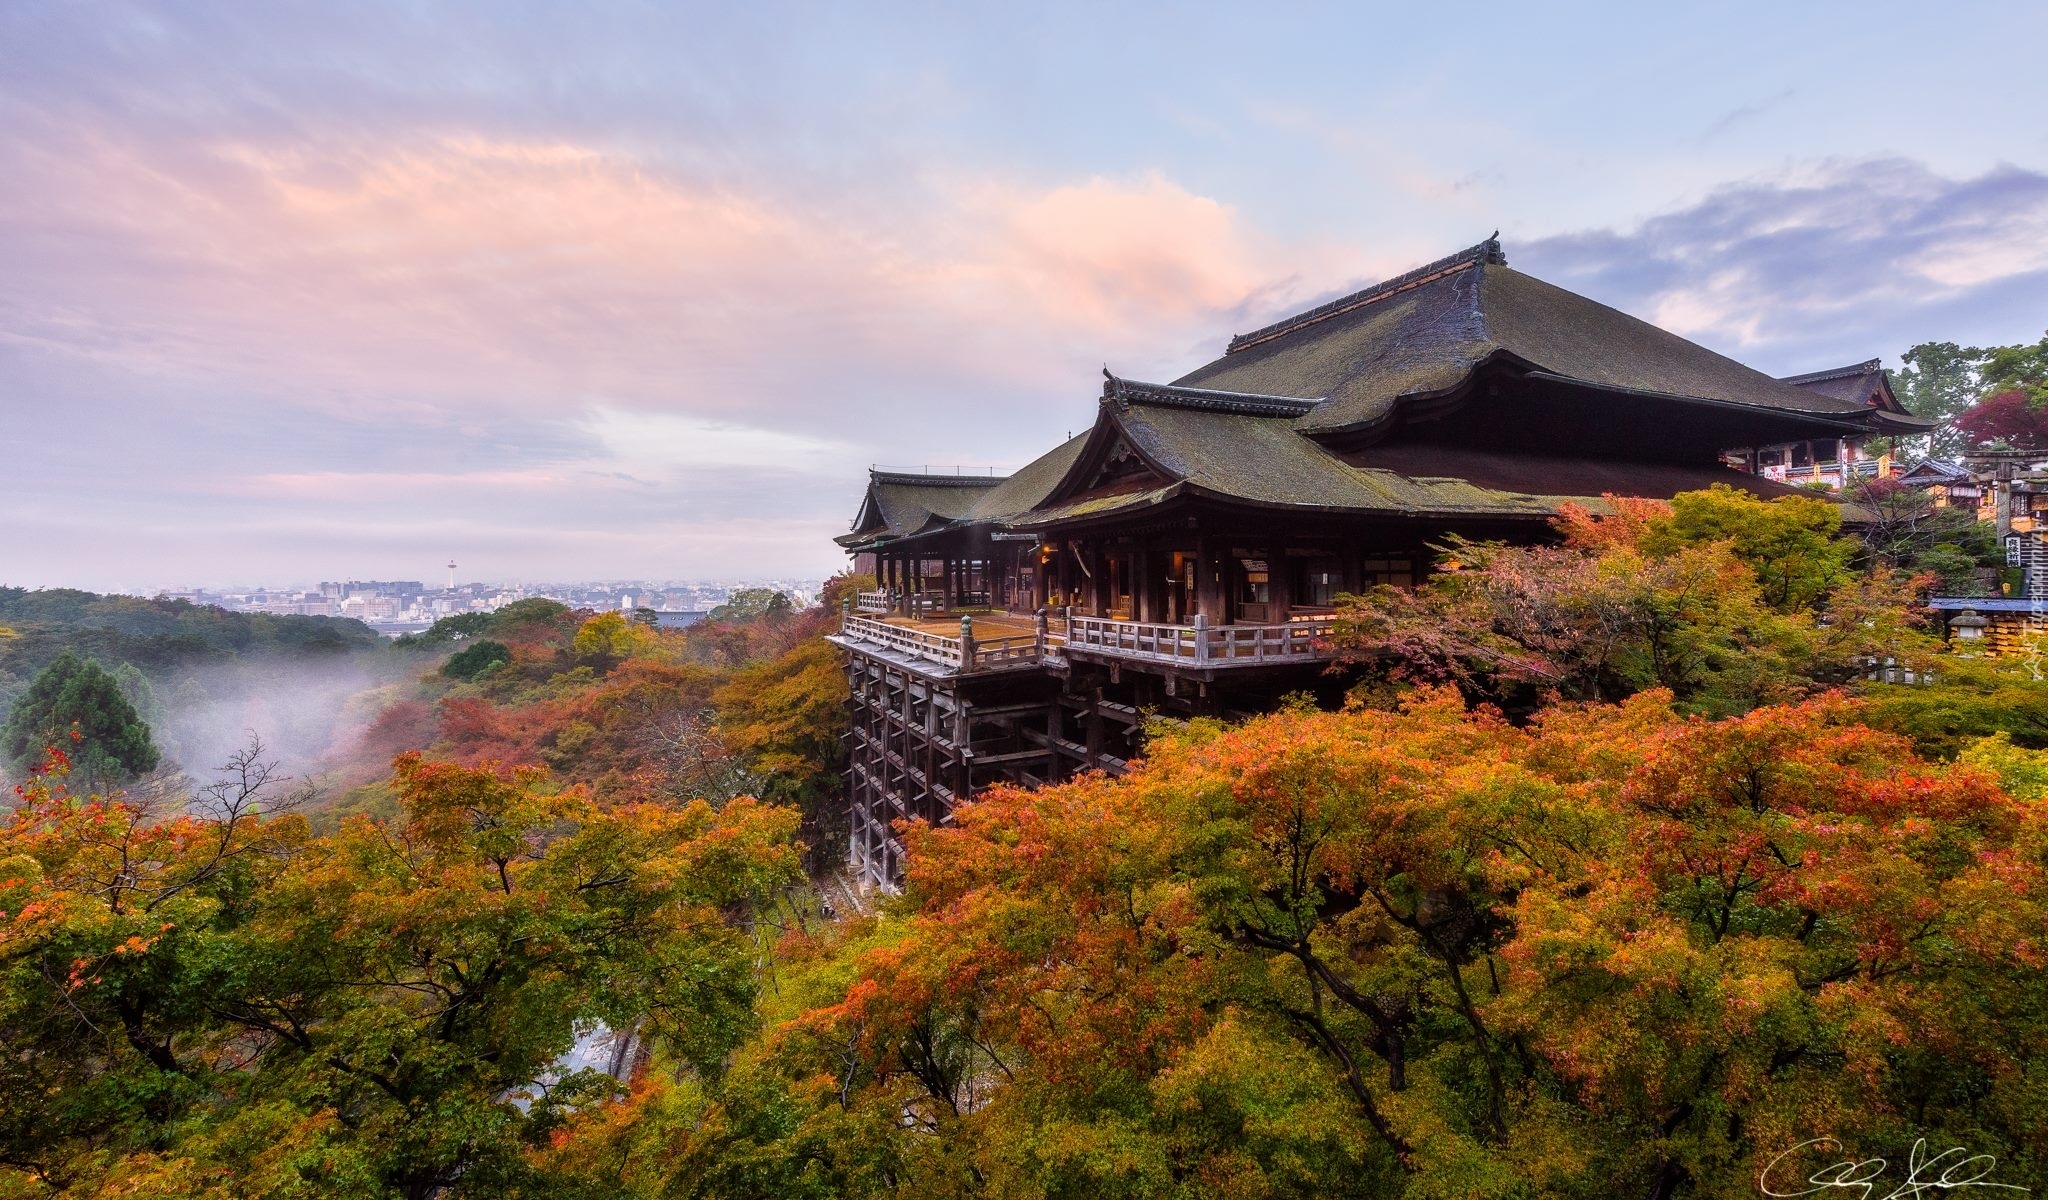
<point x="452" y="628"/>
<point x="2023" y="367"/>
<point x="1792" y="543"/>
<point x="785" y="719"/>
<point x="1940" y="380"/>
<point x="748" y="604"/>
<point x="77" y="695"/>
<point x="526" y="618"/>
<point x="475" y="659"/>
<point x="1903" y="529"/>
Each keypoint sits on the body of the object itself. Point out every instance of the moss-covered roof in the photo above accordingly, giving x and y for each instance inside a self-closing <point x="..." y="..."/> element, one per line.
<point x="1425" y="334"/>
<point x="1029" y="487"/>
<point x="902" y="505"/>
<point x="1257" y="426"/>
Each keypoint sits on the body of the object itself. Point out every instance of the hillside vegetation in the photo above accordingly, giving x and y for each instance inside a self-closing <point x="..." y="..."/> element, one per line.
<point x="1617" y="874"/>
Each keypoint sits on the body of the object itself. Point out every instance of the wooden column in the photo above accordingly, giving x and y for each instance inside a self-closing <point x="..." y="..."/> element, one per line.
<point x="1279" y="586"/>
<point x="1099" y="598"/>
<point x="1039" y="584"/>
<point x="1142" y="608"/>
<point x="1209" y="587"/>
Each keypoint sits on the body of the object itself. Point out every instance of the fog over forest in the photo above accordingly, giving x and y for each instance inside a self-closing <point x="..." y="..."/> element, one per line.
<point x="305" y="713"/>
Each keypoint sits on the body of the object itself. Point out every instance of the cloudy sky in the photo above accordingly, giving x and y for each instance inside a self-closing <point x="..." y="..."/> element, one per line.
<point x="301" y="291"/>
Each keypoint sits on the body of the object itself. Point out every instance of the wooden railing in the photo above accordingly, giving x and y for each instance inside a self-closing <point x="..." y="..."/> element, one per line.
<point x="969" y="653"/>
<point x="1198" y="645"/>
<point x="997" y="652"/>
<point x="885" y="601"/>
<point x="1202" y="644"/>
<point x="917" y="642"/>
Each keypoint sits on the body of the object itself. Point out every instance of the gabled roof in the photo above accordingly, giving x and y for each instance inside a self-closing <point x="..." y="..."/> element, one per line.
<point x="1858" y="383"/>
<point x="1246" y="448"/>
<point x="900" y="504"/>
<point x="1425" y="333"/>
<point x="1936" y="471"/>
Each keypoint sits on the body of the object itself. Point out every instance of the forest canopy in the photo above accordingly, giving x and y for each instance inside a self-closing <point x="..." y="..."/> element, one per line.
<point x="1627" y="864"/>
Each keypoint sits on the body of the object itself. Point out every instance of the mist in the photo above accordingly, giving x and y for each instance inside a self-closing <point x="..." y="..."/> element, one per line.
<point x="309" y="715"/>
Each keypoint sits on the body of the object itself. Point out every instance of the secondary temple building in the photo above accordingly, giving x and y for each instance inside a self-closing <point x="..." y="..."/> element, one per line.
<point x="1185" y="554"/>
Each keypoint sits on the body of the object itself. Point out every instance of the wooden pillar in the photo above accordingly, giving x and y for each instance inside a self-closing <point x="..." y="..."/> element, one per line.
<point x="1039" y="582"/>
<point x="1099" y="598"/>
<point x="1142" y="608"/>
<point x="1279" y="586"/>
<point x="1209" y="588"/>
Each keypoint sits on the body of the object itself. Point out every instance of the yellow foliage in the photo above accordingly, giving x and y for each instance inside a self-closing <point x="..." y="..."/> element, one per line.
<point x="613" y="636"/>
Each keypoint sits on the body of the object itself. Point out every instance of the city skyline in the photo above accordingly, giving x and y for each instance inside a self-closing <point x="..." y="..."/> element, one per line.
<point x="570" y="295"/>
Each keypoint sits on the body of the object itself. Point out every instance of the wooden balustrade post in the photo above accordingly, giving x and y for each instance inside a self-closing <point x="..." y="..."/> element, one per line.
<point x="1042" y="631"/>
<point x="845" y="612"/>
<point x="1201" y="637"/>
<point x="966" y="643"/>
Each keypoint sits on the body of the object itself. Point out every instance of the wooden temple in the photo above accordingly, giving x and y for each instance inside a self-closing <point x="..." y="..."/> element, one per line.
<point x="1185" y="555"/>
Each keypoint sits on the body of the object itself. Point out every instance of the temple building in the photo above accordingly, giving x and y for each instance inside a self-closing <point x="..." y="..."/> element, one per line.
<point x="1186" y="553"/>
<point x="1842" y="460"/>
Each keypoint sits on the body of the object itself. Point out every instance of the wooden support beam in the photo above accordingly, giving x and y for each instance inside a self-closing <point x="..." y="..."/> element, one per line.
<point x="992" y="760"/>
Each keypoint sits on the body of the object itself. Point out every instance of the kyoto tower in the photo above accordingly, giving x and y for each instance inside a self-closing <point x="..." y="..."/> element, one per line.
<point x="451" y="574"/>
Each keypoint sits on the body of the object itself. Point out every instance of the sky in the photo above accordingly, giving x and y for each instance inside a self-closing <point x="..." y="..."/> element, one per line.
<point x="292" y="292"/>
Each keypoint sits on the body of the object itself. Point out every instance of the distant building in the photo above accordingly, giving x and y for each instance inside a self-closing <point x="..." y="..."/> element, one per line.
<point x="370" y="608"/>
<point x="1841" y="459"/>
<point x="675" y="619"/>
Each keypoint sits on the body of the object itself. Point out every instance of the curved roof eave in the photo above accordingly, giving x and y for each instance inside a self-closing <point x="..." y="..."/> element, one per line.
<point x="1858" y="419"/>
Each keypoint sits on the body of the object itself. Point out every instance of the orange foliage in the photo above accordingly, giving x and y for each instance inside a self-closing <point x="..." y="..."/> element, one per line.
<point x="1498" y="940"/>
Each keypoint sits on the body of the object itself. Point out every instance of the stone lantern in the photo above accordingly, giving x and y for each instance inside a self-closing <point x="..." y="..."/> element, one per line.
<point x="1968" y="626"/>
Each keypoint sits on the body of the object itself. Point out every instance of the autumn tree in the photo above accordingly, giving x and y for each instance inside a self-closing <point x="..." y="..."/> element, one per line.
<point x="785" y="719"/>
<point x="1726" y="600"/>
<point x="1427" y="952"/>
<point x="217" y="1004"/>
<point x="609" y="638"/>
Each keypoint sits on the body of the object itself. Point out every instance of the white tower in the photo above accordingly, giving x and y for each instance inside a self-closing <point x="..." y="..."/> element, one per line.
<point x="451" y="574"/>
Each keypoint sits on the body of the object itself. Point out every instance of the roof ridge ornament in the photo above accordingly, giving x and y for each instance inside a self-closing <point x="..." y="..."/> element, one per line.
<point x="916" y="479"/>
<point x="1122" y="393"/>
<point x="1862" y="368"/>
<point x="1485" y="253"/>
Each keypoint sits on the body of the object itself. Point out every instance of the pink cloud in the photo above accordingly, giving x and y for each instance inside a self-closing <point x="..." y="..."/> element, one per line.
<point x="543" y="277"/>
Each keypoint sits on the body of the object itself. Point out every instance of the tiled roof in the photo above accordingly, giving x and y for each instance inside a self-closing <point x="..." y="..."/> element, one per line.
<point x="1426" y="332"/>
<point x="1252" y="426"/>
<point x="902" y="505"/>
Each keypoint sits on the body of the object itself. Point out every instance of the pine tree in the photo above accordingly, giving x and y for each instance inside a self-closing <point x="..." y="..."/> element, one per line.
<point x="113" y="741"/>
